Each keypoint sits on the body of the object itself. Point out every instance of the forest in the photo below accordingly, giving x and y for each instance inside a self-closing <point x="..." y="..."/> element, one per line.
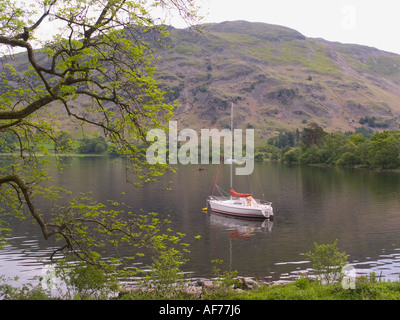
<point x="312" y="145"/>
<point x="362" y="148"/>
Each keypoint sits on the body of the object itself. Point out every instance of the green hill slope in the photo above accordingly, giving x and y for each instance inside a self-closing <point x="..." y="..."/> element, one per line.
<point x="277" y="78"/>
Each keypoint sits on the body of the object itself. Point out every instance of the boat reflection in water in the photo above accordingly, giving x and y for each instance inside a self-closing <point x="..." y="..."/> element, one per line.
<point x="240" y="227"/>
<point x="228" y="230"/>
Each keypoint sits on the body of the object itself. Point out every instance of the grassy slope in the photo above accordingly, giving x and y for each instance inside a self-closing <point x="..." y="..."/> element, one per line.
<point x="303" y="289"/>
<point x="278" y="79"/>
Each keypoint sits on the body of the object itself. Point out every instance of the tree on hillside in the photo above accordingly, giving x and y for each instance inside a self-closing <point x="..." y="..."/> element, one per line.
<point x="96" y="54"/>
<point x="384" y="150"/>
<point x="313" y="134"/>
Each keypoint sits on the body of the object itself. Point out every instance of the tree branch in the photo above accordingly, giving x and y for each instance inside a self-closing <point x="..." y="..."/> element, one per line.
<point x="31" y="108"/>
<point x="14" y="179"/>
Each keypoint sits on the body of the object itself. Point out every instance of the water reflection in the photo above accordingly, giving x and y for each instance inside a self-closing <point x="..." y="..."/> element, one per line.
<point x="359" y="208"/>
<point x="24" y="257"/>
<point x="240" y="227"/>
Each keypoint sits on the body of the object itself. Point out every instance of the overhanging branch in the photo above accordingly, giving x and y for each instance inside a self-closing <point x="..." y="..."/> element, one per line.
<point x="28" y="110"/>
<point x="15" y="180"/>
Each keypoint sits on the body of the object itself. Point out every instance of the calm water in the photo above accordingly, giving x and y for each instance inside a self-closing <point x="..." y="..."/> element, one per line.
<point x="359" y="208"/>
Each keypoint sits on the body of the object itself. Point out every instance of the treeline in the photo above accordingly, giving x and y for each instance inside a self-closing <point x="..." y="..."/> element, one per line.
<point x="371" y="121"/>
<point x="362" y="148"/>
<point x="63" y="142"/>
<point x="312" y="145"/>
<point x="93" y="145"/>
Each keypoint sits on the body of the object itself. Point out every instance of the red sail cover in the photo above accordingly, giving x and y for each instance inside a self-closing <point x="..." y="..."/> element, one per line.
<point x="235" y="194"/>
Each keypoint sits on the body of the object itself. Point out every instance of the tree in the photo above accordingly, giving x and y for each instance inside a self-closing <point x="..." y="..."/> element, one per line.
<point x="292" y="155"/>
<point x="311" y="155"/>
<point x="96" y="55"/>
<point x="354" y="151"/>
<point x="328" y="261"/>
<point x="332" y="146"/>
<point x="93" y="145"/>
<point x="313" y="134"/>
<point x="384" y="150"/>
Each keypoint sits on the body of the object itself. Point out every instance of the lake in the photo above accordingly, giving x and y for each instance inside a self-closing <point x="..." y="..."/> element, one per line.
<point x="360" y="208"/>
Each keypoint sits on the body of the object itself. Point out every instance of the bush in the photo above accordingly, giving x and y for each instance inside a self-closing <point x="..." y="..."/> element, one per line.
<point x="94" y="145"/>
<point x="259" y="157"/>
<point x="291" y="156"/>
<point x="327" y="262"/>
<point x="348" y="159"/>
<point x="384" y="150"/>
<point x="85" y="281"/>
<point x="24" y="292"/>
<point x="311" y="155"/>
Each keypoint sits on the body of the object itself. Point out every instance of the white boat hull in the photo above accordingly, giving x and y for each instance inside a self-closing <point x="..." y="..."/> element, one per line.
<point x="235" y="207"/>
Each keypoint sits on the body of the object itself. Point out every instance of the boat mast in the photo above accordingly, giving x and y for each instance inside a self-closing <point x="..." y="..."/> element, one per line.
<point x="231" y="146"/>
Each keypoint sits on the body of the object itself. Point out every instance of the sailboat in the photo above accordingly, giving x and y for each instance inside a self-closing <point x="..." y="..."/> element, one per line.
<point x="239" y="204"/>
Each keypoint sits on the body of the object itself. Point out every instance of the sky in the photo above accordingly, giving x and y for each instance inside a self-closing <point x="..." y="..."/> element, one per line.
<point x="366" y="22"/>
<point x="374" y="23"/>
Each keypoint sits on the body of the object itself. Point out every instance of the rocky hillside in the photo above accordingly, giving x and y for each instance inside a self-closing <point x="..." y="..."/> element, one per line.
<point x="278" y="79"/>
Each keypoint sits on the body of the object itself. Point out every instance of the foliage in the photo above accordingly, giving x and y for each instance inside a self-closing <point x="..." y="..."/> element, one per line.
<point x="95" y="230"/>
<point x="24" y="292"/>
<point x="367" y="288"/>
<point x="97" y="54"/>
<point x="82" y="281"/>
<point x="93" y="145"/>
<point x="384" y="150"/>
<point x="165" y="280"/>
<point x="307" y="289"/>
<point x="268" y="152"/>
<point x="284" y="139"/>
<point x="292" y="156"/>
<point x="65" y="143"/>
<point x="371" y="121"/>
<point x="362" y="148"/>
<point x="7" y="142"/>
<point x="313" y="134"/>
<point x="327" y="262"/>
<point x="311" y="155"/>
<point x="223" y="282"/>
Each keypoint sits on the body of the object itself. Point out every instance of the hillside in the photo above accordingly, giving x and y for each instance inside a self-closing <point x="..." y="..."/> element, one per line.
<point x="277" y="78"/>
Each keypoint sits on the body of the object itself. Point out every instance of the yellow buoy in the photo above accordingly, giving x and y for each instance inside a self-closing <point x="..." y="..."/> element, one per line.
<point x="204" y="209"/>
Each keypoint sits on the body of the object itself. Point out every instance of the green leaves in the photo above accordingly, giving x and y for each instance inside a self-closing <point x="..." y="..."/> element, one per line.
<point x="379" y="151"/>
<point x="328" y="261"/>
<point x="14" y="16"/>
<point x="98" y="68"/>
<point x="384" y="150"/>
<point x="97" y="71"/>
